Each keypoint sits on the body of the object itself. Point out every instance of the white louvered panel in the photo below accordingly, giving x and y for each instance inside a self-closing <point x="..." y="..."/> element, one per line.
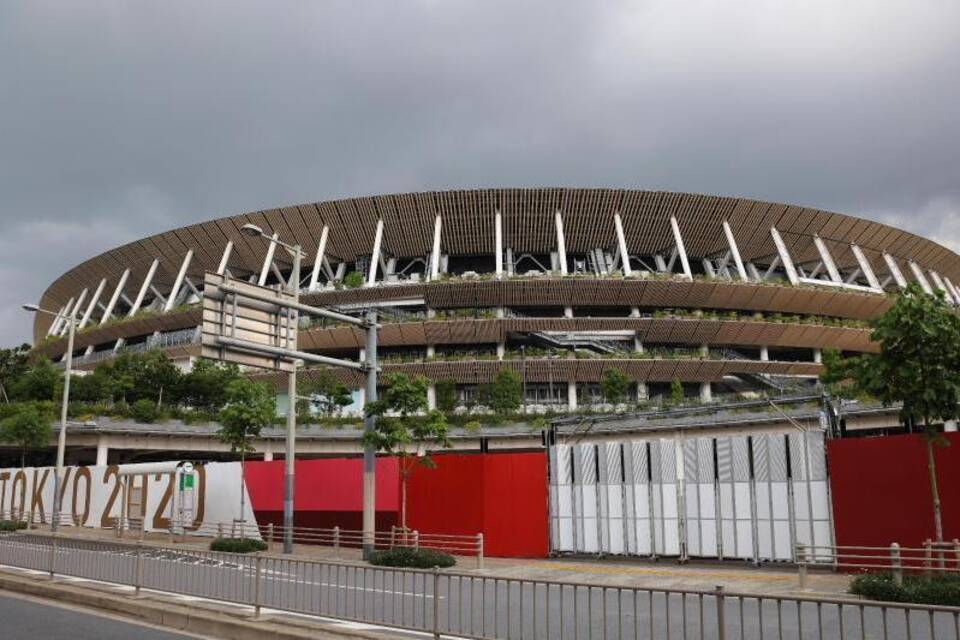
<point x="586" y="539"/>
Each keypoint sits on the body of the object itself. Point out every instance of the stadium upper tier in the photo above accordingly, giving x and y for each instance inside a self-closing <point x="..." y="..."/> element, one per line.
<point x="622" y="275"/>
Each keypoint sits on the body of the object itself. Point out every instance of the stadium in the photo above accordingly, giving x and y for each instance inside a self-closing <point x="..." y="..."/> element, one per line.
<point x="723" y="296"/>
<point x="705" y="306"/>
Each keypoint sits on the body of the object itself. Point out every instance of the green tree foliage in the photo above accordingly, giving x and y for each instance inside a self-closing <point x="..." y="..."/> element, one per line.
<point x="149" y="375"/>
<point x="326" y="395"/>
<point x="205" y="386"/>
<point x="614" y="385"/>
<point x="446" y="395"/>
<point x="918" y="366"/>
<point x="13" y="363"/>
<point x="39" y="381"/>
<point x="505" y="394"/>
<point x="405" y="427"/>
<point x="353" y="280"/>
<point x="28" y="428"/>
<point x="676" y="392"/>
<point x="250" y="407"/>
<point x="144" y="411"/>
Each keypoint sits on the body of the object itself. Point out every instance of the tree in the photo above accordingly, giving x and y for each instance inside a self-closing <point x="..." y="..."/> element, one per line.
<point x="676" y="392"/>
<point x="918" y="366"/>
<point x="405" y="426"/>
<point x="325" y="394"/>
<point x="250" y="407"/>
<point x="39" y="381"/>
<point x="505" y="394"/>
<point x="446" y="395"/>
<point x="205" y="386"/>
<point x="13" y="363"/>
<point x="614" y="385"/>
<point x="353" y="280"/>
<point x="28" y="428"/>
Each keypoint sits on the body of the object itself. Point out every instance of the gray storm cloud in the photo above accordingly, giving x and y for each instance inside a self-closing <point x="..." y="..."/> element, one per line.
<point x="122" y="119"/>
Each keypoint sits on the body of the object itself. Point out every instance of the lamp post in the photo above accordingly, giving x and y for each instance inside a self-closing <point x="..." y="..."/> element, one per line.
<point x="62" y="438"/>
<point x="294" y="285"/>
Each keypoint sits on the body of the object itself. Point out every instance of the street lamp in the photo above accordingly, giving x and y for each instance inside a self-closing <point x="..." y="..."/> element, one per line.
<point x="62" y="439"/>
<point x="254" y="231"/>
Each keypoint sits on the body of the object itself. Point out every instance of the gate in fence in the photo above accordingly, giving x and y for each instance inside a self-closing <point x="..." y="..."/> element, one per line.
<point x="753" y="497"/>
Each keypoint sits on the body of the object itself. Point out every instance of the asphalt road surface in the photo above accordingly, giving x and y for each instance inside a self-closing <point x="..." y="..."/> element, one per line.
<point x="474" y="605"/>
<point x="29" y="619"/>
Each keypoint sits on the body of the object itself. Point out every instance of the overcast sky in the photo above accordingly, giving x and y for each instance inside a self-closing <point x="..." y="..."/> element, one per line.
<point x="122" y="119"/>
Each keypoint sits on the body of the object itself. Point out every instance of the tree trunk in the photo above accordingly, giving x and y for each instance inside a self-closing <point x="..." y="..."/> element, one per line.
<point x="934" y="491"/>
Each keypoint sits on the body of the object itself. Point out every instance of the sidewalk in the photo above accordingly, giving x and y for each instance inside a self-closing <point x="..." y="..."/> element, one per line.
<point x="733" y="575"/>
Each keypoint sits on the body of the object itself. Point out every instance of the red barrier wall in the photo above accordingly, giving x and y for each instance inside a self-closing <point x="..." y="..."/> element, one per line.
<point x="328" y="492"/>
<point x="881" y="490"/>
<point x="504" y="495"/>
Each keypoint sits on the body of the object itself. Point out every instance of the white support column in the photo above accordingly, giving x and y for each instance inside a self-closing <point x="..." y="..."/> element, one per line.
<point x="116" y="296"/>
<point x="818" y="356"/>
<point x="828" y="262"/>
<point x="865" y="267"/>
<point x="431" y="397"/>
<point x="498" y="242"/>
<point x="895" y="271"/>
<point x="501" y="350"/>
<point x="225" y="258"/>
<point x="318" y="261"/>
<point x="764" y="353"/>
<point x="172" y="299"/>
<point x="734" y="251"/>
<point x="103" y="452"/>
<point x="435" y="253"/>
<point x="706" y="392"/>
<point x="918" y="274"/>
<point x="268" y="260"/>
<point x="953" y="289"/>
<point x="93" y="303"/>
<point x="938" y="283"/>
<point x="622" y="243"/>
<point x="643" y="393"/>
<point x="268" y="452"/>
<point x="143" y="288"/>
<point x="561" y="243"/>
<point x="72" y="312"/>
<point x="375" y="256"/>
<point x="572" y="395"/>
<point x="58" y="322"/>
<point x="784" y="256"/>
<point x="681" y="251"/>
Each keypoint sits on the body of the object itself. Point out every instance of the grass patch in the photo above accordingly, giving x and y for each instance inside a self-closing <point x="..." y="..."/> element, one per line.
<point x="238" y="545"/>
<point x="417" y="558"/>
<point x="941" y="590"/>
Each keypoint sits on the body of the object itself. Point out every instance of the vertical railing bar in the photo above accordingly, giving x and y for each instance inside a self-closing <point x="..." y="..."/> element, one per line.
<point x="863" y="626"/>
<point x="740" y="606"/>
<point x="650" y="603"/>
<point x="840" y="617"/>
<point x="666" y="608"/>
<point x="779" y="619"/>
<point x="760" y="613"/>
<point x="820" y="620"/>
<point x="683" y="613"/>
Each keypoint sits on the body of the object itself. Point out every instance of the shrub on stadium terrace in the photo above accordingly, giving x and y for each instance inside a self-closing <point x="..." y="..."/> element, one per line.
<point x="415" y="557"/>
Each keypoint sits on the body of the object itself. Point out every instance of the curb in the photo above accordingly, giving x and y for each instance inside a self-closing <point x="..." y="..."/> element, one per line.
<point x="173" y="615"/>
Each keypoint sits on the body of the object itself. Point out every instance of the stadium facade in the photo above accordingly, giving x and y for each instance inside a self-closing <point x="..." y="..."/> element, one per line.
<point x="725" y="295"/>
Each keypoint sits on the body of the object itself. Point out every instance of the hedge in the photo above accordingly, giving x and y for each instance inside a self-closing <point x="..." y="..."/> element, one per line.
<point x="941" y="590"/>
<point x="237" y="545"/>
<point x="7" y="526"/>
<point x="416" y="557"/>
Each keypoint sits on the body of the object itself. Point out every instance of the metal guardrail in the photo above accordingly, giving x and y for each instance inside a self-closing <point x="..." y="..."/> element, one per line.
<point x="336" y="538"/>
<point x="473" y="605"/>
<point x="929" y="559"/>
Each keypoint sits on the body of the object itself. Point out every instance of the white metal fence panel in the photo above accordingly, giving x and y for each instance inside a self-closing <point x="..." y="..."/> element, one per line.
<point x="611" y="491"/>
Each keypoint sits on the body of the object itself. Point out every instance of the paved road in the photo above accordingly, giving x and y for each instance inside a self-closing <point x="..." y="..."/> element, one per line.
<point x="29" y="620"/>
<point x="474" y="604"/>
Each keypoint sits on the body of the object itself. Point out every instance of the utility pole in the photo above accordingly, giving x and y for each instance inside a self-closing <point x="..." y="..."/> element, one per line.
<point x="369" y="452"/>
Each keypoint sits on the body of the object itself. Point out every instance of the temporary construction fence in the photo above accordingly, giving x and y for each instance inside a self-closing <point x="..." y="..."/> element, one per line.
<point x="472" y="605"/>
<point x="753" y="497"/>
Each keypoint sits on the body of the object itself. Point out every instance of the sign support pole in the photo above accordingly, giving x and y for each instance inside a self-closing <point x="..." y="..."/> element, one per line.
<point x="369" y="453"/>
